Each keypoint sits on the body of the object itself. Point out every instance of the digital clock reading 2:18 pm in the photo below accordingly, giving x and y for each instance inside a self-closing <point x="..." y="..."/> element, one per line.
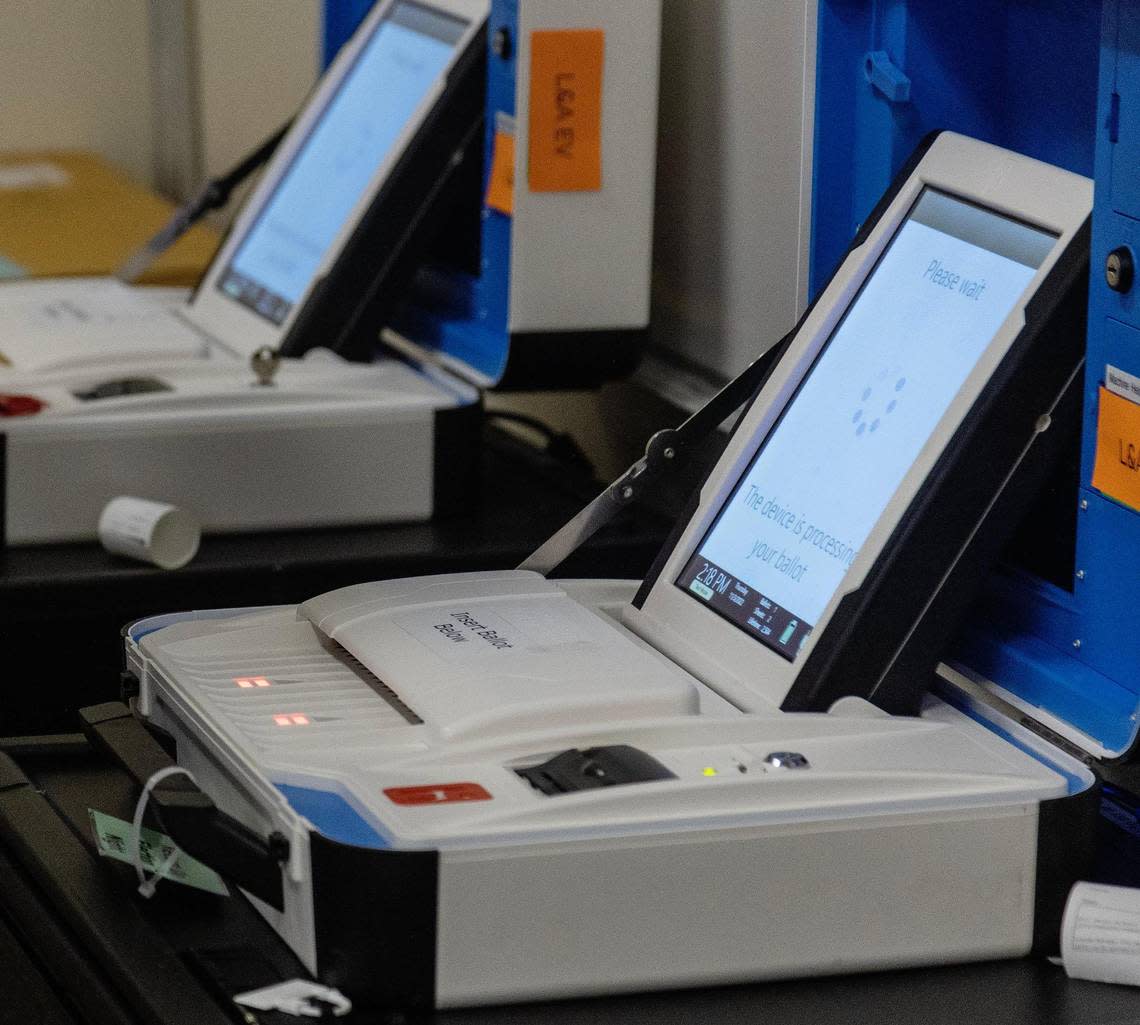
<point x="714" y="579"/>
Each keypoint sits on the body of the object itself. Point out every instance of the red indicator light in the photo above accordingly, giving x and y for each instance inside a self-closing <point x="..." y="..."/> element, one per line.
<point x="247" y="682"/>
<point x="437" y="793"/>
<point x="292" y="719"/>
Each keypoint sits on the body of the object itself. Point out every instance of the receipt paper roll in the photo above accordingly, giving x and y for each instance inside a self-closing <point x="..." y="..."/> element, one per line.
<point x="150" y="531"/>
<point x="1100" y="934"/>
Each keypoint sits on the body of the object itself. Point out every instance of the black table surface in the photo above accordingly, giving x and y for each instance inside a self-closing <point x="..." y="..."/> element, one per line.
<point x="186" y="922"/>
<point x="62" y="606"/>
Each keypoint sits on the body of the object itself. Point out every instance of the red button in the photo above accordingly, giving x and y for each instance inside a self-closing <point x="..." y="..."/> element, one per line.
<point x="437" y="793"/>
<point x="20" y="405"/>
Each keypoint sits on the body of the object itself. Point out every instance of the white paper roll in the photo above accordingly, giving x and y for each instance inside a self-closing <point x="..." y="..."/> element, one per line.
<point x="150" y="531"/>
<point x="1100" y="934"/>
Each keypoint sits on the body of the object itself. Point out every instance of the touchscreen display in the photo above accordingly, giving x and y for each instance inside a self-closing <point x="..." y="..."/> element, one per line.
<point x="782" y="542"/>
<point x="393" y="72"/>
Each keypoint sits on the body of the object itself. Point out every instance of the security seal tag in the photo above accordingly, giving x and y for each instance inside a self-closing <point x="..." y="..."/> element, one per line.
<point x="113" y="840"/>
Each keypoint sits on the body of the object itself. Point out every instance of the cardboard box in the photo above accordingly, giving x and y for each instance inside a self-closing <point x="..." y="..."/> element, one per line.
<point x="71" y="213"/>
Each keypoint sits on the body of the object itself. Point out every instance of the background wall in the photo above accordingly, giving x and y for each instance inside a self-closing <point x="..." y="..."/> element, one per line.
<point x="257" y="62"/>
<point x="75" y="76"/>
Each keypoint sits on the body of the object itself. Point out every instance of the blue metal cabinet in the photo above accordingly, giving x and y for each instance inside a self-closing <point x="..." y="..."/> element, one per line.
<point x="1021" y="75"/>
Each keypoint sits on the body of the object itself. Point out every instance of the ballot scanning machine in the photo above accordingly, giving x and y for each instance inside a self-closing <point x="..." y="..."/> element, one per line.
<point x="402" y="211"/>
<point x="495" y="786"/>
